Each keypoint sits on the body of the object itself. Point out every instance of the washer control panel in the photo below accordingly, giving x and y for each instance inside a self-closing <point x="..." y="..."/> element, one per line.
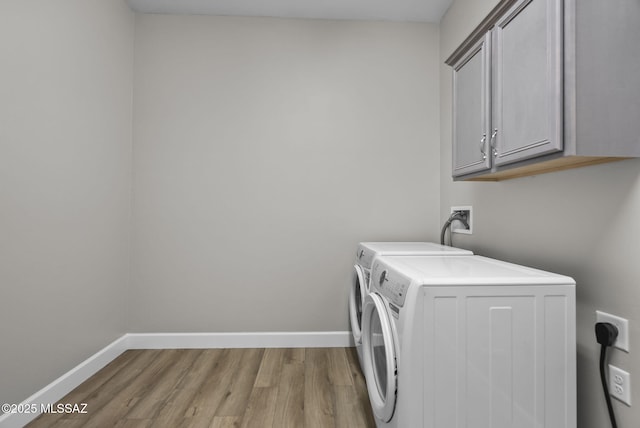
<point x="365" y="256"/>
<point x="390" y="284"/>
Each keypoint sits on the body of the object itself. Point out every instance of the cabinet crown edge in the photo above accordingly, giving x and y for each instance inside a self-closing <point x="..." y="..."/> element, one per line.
<point x="479" y="32"/>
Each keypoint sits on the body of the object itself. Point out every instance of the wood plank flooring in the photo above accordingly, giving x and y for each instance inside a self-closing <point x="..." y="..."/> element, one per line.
<point x="222" y="388"/>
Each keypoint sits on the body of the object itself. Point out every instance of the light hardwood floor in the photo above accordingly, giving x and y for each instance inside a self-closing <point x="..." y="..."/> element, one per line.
<point x="262" y="388"/>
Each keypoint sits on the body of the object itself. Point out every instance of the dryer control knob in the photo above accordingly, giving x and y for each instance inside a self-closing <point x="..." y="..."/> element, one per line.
<point x="383" y="277"/>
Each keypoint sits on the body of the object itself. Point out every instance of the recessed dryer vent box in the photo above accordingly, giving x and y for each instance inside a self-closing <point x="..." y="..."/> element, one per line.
<point x="457" y="226"/>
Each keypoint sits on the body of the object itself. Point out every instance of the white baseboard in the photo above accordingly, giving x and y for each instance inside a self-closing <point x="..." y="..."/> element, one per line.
<point x="66" y="383"/>
<point x="320" y="339"/>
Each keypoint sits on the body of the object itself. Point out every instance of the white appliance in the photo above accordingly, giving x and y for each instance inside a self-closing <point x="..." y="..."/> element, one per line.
<point x="469" y="342"/>
<point x="367" y="252"/>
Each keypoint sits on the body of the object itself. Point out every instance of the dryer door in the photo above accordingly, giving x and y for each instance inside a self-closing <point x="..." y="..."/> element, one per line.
<point x="380" y="359"/>
<point x="356" y="302"/>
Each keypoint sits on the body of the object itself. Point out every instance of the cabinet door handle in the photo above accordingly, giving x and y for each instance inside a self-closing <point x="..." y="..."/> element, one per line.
<point x="482" y="143"/>
<point x="493" y="142"/>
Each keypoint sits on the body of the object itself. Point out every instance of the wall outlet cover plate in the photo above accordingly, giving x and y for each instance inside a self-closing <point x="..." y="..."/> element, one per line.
<point x="620" y="385"/>
<point x="622" y="341"/>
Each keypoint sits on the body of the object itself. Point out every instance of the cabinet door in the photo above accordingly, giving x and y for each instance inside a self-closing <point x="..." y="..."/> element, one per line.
<point x="471" y="110"/>
<point x="527" y="81"/>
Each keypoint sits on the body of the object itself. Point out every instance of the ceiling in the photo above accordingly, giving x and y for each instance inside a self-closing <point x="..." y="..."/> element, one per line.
<point x="373" y="10"/>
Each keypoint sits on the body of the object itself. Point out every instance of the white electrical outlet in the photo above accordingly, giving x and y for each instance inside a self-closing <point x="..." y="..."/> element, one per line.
<point x="622" y="341"/>
<point x="620" y="385"/>
<point x="457" y="226"/>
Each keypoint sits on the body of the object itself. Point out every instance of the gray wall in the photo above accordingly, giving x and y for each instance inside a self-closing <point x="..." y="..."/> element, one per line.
<point x="255" y="140"/>
<point x="579" y="222"/>
<point x="65" y="185"/>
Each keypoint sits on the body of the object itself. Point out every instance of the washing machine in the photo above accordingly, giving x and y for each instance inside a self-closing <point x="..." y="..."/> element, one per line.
<point x="367" y="252"/>
<point x="469" y="342"/>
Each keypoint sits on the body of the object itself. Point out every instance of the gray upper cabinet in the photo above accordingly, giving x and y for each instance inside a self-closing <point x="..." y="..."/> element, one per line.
<point x="545" y="85"/>
<point x="527" y="81"/>
<point x="471" y="85"/>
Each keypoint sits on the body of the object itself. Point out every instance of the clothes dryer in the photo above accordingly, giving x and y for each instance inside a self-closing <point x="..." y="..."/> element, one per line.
<point x="367" y="252"/>
<point x="469" y="342"/>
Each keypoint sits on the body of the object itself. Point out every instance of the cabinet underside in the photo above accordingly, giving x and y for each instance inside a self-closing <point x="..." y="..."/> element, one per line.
<point x="537" y="167"/>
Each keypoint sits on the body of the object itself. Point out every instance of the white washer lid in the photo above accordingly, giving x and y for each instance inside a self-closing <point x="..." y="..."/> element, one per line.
<point x="368" y="251"/>
<point x="409" y="248"/>
<point x="469" y="270"/>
